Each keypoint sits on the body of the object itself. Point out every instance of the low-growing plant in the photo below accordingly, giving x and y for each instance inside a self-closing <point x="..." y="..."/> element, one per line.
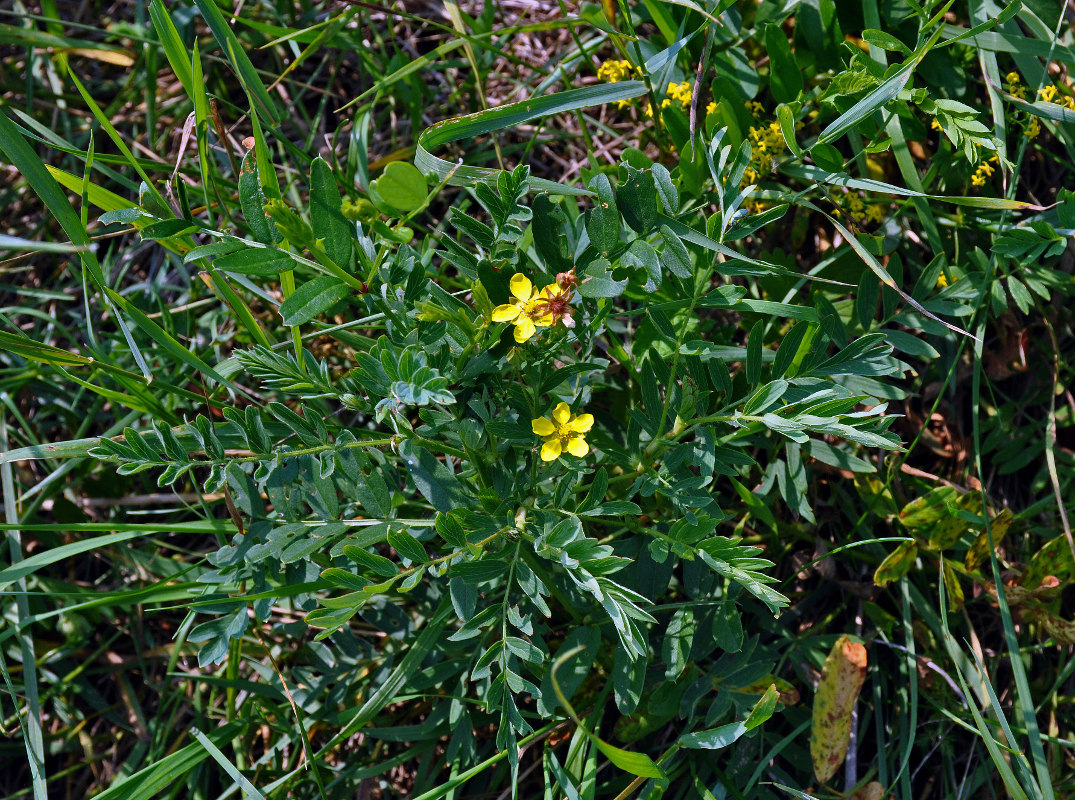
<point x="508" y="483"/>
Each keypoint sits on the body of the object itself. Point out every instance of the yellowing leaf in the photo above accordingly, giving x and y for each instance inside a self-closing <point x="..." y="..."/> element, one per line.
<point x="951" y="585"/>
<point x="979" y="551"/>
<point x="871" y="791"/>
<point x="841" y="682"/>
<point x="118" y="57"/>
<point x="896" y="565"/>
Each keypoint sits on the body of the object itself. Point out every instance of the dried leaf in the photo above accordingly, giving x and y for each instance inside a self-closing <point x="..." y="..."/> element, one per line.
<point x="841" y="682"/>
<point x="871" y="791"/>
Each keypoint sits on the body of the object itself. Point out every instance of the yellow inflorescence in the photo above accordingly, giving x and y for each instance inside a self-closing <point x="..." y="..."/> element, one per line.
<point x="1047" y="94"/>
<point x="678" y="93"/>
<point x="766" y="143"/>
<point x="615" y="71"/>
<point x="861" y="211"/>
<point x="985" y="170"/>
<point x="1014" y="85"/>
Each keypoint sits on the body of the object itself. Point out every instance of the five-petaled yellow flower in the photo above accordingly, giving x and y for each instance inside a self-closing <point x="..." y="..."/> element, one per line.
<point x="565" y="431"/>
<point x="528" y="312"/>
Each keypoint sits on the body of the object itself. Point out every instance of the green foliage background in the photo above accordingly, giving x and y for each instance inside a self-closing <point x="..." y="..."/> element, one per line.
<point x="277" y="514"/>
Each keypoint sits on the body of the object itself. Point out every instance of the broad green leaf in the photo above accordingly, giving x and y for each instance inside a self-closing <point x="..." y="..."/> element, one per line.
<point x="633" y="763"/>
<point x="266" y="262"/>
<point x="678" y="638"/>
<point x="401" y="186"/>
<point x="252" y="200"/>
<point x="763" y="709"/>
<point x="311" y="299"/>
<point x="785" y="78"/>
<point x="637" y="196"/>
<point x="674" y="255"/>
<point x="407" y="546"/>
<point x="326" y="216"/>
<point x="603" y="220"/>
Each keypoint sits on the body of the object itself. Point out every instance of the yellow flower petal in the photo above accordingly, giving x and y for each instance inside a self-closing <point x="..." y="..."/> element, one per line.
<point x="581" y="423"/>
<point x="521" y="286"/>
<point x="505" y="313"/>
<point x="550" y="451"/>
<point x="543" y="427"/>
<point x="561" y="414"/>
<point x="524" y="329"/>
<point x="577" y="446"/>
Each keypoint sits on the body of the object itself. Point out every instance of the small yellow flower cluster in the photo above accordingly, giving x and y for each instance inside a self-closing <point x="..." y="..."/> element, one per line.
<point x="985" y="170"/>
<point x="678" y="93"/>
<point x="1050" y="94"/>
<point x="942" y="279"/>
<point x="755" y="108"/>
<point x="861" y="211"/>
<point x="615" y="71"/>
<point x="936" y="125"/>
<point x="535" y="308"/>
<point x="766" y="143"/>
<point x="1014" y="85"/>
<point x="564" y="432"/>
<point x="1033" y="128"/>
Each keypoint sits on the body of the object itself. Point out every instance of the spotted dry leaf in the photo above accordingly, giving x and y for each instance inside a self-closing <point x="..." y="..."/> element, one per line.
<point x="841" y="682"/>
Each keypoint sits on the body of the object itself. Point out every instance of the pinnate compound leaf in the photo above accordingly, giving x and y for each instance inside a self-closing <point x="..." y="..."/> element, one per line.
<point x="841" y="682"/>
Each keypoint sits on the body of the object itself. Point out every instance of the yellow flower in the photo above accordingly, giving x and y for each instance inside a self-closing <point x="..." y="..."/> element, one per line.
<point x="529" y="310"/>
<point x="565" y="431"/>
<point x="1033" y="128"/>
<point x="1048" y="93"/>
<point x="678" y="93"/>
<point x="942" y="280"/>
<point x="710" y="107"/>
<point x="1012" y="77"/>
<point x="614" y="71"/>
